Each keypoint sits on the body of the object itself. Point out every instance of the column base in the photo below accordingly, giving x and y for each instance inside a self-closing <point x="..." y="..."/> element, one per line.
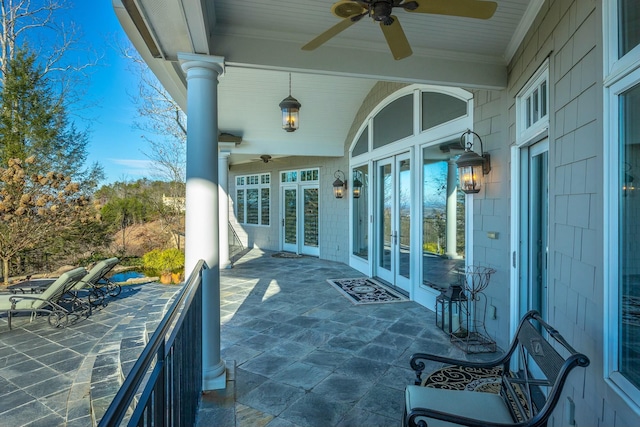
<point x="215" y="378"/>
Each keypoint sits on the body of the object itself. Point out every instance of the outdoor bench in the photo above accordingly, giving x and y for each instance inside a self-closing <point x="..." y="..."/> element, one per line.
<point x="531" y="375"/>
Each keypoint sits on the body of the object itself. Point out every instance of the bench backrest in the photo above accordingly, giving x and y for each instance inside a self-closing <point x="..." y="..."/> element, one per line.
<point x="535" y="371"/>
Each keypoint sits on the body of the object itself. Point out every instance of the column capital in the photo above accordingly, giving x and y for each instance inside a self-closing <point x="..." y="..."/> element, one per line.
<point x="224" y="148"/>
<point x="194" y="60"/>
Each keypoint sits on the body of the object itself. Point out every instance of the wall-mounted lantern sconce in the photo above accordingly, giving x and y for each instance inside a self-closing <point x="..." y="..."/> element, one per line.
<point x="339" y="185"/>
<point x="290" y="111"/>
<point x="357" y="185"/>
<point x="471" y="165"/>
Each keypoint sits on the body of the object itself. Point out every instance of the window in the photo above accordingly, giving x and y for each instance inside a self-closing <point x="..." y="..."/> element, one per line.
<point x="622" y="177"/>
<point x="532" y="105"/>
<point x="253" y="199"/>
<point x="439" y="108"/>
<point x="393" y="122"/>
<point x="362" y="146"/>
<point x="629" y="234"/>
<point x="302" y="176"/>
<point x="629" y="26"/>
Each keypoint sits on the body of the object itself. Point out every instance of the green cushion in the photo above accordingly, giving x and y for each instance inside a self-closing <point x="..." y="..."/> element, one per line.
<point x="471" y="404"/>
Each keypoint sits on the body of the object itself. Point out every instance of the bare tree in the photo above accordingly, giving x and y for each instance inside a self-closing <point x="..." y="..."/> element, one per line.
<point x="160" y="116"/>
<point x="36" y="25"/>
<point x="34" y="208"/>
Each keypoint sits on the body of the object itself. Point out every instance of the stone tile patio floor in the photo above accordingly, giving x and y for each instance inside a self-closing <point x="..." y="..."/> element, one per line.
<point x="68" y="376"/>
<point x="298" y="353"/>
<point x="301" y="354"/>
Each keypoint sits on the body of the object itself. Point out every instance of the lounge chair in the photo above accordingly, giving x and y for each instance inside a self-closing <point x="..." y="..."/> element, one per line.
<point x="97" y="282"/>
<point x="46" y="302"/>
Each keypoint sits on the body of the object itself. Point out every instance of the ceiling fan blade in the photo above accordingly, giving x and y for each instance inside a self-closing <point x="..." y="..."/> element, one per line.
<point x="396" y="39"/>
<point x="331" y="32"/>
<point x="466" y="8"/>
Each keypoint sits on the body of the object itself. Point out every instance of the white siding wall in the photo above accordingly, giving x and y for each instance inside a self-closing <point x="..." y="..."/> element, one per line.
<point x="333" y="239"/>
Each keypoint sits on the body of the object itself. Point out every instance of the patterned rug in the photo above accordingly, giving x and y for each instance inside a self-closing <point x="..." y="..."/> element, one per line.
<point x="363" y="290"/>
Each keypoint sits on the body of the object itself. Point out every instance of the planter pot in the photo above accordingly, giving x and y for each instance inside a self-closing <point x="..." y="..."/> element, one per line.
<point x="165" y="278"/>
<point x="176" y="278"/>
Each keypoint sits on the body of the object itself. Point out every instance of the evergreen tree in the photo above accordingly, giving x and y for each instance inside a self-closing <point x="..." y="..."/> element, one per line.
<point x="38" y="142"/>
<point x="34" y="122"/>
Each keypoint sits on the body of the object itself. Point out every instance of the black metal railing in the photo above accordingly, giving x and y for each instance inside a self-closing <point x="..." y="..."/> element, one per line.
<point x="236" y="248"/>
<point x="170" y="367"/>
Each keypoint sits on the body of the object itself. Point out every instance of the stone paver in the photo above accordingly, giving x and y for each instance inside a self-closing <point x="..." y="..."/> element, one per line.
<point x="304" y="355"/>
<point x="48" y="376"/>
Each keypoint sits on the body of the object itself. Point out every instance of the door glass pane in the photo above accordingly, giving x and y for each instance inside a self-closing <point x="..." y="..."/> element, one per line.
<point x="385" y="206"/>
<point x="538" y="218"/>
<point x="265" y="201"/>
<point x="443" y="220"/>
<point x="240" y="206"/>
<point x="252" y="206"/>
<point x="629" y="253"/>
<point x="393" y="122"/>
<point x="361" y="214"/>
<point x="404" y="209"/>
<point x="290" y="220"/>
<point x="310" y="216"/>
<point x="629" y="26"/>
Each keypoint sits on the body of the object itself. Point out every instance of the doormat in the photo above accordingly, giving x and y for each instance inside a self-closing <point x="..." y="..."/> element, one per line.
<point x="286" y="255"/>
<point x="363" y="290"/>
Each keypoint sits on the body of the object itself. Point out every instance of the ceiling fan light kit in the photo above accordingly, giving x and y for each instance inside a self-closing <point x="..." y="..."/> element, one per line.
<point x="352" y="11"/>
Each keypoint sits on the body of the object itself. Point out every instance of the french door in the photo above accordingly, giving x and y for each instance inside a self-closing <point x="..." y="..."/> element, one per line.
<point x="534" y="227"/>
<point x="300" y="219"/>
<point x="393" y="220"/>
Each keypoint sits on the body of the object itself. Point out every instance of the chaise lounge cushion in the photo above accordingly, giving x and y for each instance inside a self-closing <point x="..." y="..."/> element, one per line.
<point x="471" y="404"/>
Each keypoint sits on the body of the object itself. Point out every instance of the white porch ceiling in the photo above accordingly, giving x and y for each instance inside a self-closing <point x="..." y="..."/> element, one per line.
<point x="261" y="40"/>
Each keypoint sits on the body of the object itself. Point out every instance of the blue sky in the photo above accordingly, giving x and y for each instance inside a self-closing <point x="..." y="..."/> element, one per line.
<point x="114" y="142"/>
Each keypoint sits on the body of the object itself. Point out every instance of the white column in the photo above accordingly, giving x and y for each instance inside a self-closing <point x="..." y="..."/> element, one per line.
<point x="202" y="222"/>
<point x="452" y="195"/>
<point x="223" y="171"/>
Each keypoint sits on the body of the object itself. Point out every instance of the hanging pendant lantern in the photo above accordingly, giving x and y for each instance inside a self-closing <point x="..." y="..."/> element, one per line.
<point x="290" y="111"/>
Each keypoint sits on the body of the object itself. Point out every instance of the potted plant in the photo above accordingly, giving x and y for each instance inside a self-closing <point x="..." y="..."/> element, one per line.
<point x="168" y="264"/>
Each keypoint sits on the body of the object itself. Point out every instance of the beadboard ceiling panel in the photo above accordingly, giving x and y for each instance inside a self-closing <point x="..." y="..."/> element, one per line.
<point x="261" y="40"/>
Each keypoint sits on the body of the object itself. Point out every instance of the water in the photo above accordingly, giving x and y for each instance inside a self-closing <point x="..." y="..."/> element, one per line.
<point x="126" y="275"/>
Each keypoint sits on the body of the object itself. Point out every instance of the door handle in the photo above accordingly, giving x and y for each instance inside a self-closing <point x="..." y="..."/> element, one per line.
<point x="394" y="237"/>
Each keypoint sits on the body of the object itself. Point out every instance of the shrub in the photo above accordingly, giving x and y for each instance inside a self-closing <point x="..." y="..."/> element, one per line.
<point x="164" y="261"/>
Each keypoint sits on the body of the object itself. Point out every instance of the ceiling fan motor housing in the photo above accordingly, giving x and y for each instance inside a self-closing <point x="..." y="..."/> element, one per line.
<point x="381" y="11"/>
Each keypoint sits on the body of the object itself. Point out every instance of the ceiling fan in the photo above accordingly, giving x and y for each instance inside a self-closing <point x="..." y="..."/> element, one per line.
<point x="352" y="11"/>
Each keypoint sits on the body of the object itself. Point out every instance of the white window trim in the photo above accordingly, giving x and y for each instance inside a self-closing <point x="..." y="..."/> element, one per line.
<point x="259" y="186"/>
<point x="524" y="134"/>
<point x="620" y="74"/>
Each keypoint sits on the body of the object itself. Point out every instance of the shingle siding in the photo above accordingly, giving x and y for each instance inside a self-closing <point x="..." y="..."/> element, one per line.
<point x="570" y="34"/>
